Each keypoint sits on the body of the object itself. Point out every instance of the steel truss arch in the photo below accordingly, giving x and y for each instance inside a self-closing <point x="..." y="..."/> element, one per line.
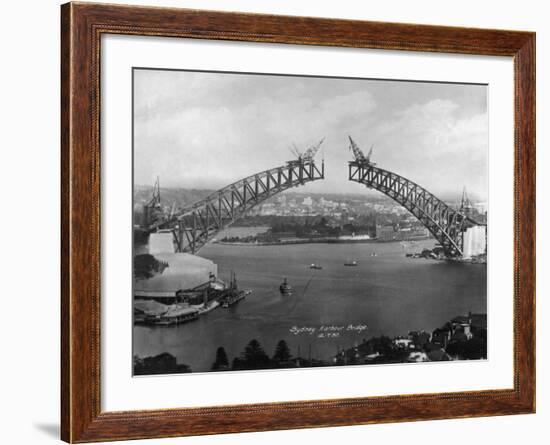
<point x="199" y="223"/>
<point x="445" y="223"/>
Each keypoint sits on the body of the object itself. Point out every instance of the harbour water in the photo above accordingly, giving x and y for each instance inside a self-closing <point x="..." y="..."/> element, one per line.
<point x="385" y="294"/>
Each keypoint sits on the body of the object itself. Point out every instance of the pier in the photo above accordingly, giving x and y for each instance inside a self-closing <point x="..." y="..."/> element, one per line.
<point x="183" y="305"/>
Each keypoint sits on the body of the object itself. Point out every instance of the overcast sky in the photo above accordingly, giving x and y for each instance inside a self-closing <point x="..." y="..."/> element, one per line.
<point x="206" y="130"/>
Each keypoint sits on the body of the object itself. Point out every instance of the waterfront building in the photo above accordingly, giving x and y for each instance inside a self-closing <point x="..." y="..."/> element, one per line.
<point x="386" y="233"/>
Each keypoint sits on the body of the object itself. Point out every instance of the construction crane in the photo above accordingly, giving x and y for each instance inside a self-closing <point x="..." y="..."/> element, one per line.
<point x="295" y="151"/>
<point x="152" y="209"/>
<point x="465" y="204"/>
<point x="308" y="154"/>
<point x="358" y="153"/>
<point x="154" y="203"/>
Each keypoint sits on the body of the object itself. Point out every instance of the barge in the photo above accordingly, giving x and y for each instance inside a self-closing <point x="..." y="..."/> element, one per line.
<point x="231" y="299"/>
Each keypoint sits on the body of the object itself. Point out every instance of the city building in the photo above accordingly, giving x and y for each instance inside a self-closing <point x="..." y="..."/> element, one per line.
<point x="420" y="338"/>
<point x="442" y="336"/>
<point x="403" y="343"/>
<point x="386" y="233"/>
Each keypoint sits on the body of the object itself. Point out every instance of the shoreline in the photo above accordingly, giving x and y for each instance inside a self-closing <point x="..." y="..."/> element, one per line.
<point x="310" y="241"/>
<point x="462" y="338"/>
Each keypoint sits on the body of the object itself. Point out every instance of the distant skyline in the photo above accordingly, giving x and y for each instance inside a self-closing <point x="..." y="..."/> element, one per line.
<point x="206" y="130"/>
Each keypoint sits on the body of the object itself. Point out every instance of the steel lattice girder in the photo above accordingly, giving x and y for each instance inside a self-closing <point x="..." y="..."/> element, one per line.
<point x="194" y="226"/>
<point x="444" y="223"/>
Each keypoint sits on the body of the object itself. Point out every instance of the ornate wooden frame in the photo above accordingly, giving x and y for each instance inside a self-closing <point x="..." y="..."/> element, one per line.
<point x="81" y="28"/>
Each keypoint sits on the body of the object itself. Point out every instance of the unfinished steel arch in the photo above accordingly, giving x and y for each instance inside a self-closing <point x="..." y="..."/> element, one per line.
<point x="445" y="223"/>
<point x="199" y="223"/>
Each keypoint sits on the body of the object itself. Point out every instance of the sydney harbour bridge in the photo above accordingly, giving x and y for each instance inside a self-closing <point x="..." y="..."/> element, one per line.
<point x="197" y="224"/>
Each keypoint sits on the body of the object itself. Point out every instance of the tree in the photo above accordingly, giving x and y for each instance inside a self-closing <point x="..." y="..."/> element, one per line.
<point x="147" y="266"/>
<point x="254" y="353"/>
<point x="253" y="357"/>
<point x="282" y="352"/>
<point x="221" y="360"/>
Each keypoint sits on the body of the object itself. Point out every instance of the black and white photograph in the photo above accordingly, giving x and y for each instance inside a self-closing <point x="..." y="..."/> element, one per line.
<point x="291" y="221"/>
<point x="276" y="222"/>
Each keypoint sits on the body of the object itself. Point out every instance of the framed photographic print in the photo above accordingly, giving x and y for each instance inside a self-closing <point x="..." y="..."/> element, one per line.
<point x="274" y="222"/>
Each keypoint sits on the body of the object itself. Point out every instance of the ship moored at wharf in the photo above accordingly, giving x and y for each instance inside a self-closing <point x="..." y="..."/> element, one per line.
<point x="231" y="300"/>
<point x="233" y="294"/>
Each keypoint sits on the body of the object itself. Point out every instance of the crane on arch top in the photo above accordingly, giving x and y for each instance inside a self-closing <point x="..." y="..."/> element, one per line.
<point x="445" y="223"/>
<point x="307" y="155"/>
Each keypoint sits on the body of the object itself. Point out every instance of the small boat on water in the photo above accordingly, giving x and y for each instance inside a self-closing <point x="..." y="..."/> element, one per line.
<point x="315" y="266"/>
<point x="285" y="288"/>
<point x="350" y="263"/>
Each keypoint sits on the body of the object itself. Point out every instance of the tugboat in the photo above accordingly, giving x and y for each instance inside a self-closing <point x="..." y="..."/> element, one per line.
<point x="315" y="266"/>
<point x="351" y="263"/>
<point x="285" y="288"/>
